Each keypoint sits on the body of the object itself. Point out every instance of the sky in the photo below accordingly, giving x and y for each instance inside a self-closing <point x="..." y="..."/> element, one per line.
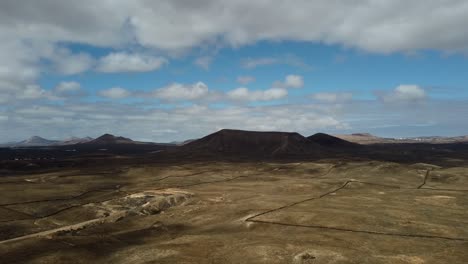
<point x="173" y="70"/>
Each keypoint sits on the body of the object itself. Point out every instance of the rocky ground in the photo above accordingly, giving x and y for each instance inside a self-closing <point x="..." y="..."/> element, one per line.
<point x="325" y="211"/>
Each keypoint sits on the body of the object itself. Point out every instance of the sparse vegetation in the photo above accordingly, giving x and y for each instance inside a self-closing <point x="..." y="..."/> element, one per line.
<point x="343" y="207"/>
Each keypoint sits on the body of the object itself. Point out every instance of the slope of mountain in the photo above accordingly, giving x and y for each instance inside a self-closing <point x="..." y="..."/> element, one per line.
<point x="74" y="140"/>
<point x="362" y="138"/>
<point x="108" y="139"/>
<point x="181" y="143"/>
<point x="330" y="141"/>
<point x="251" y="143"/>
<point x="34" y="141"/>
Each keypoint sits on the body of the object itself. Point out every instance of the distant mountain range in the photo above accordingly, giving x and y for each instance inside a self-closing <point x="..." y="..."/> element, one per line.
<point x="106" y="139"/>
<point x="36" y="141"/>
<point x="235" y="140"/>
<point x="366" y="139"/>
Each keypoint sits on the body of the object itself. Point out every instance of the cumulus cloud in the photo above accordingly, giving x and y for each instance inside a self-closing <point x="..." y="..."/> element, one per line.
<point x="244" y="94"/>
<point x="68" y="89"/>
<point x="198" y="92"/>
<point x="377" y="26"/>
<point x="129" y="62"/>
<point x="294" y="81"/>
<point x="31" y="30"/>
<point x="64" y="87"/>
<point x="332" y="97"/>
<point x="181" y="92"/>
<point x="291" y="81"/>
<point x="405" y="93"/>
<point x="32" y="92"/>
<point x="115" y="93"/>
<point x="20" y="65"/>
<point x="68" y="63"/>
<point x="21" y="68"/>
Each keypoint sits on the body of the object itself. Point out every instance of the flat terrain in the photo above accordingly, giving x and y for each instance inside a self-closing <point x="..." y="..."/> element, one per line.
<point x="323" y="211"/>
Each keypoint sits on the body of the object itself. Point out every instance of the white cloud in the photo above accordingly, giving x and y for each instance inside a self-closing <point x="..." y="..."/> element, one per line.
<point x="33" y="31"/>
<point x="68" y="89"/>
<point x="204" y="62"/>
<point x="115" y="93"/>
<point x="332" y="97"/>
<point x="126" y="62"/>
<point x="377" y="26"/>
<point x="294" y="81"/>
<point x="177" y="91"/>
<point x="244" y="80"/>
<point x="138" y="121"/>
<point x="291" y="81"/>
<point x="244" y="94"/>
<point x="19" y="67"/>
<point x="68" y="63"/>
<point x="32" y="92"/>
<point x="64" y="87"/>
<point x="405" y="93"/>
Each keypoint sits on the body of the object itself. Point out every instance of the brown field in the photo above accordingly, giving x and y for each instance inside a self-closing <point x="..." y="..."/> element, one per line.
<point x="321" y="211"/>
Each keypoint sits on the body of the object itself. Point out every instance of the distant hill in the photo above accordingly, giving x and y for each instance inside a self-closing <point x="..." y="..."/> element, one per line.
<point x="36" y="141"/>
<point x="108" y="139"/>
<point x="74" y="140"/>
<point x="33" y="141"/>
<point x="361" y="138"/>
<point x="252" y="143"/>
<point x="366" y="139"/>
<point x="330" y="141"/>
<point x="181" y="143"/>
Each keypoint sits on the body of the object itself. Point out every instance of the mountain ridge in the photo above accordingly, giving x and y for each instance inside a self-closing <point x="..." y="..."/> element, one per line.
<point x="252" y="143"/>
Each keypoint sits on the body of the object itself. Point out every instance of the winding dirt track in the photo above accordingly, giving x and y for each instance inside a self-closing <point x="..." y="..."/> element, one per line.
<point x="113" y="217"/>
<point x="344" y="185"/>
<point x="67" y="228"/>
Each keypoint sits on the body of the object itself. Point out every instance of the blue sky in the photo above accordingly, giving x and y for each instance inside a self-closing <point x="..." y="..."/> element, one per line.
<point x="326" y="68"/>
<point x="171" y="70"/>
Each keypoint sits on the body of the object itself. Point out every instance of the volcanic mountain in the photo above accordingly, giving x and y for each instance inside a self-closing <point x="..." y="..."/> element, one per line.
<point x="74" y="140"/>
<point x="252" y="143"/>
<point x="108" y="139"/>
<point x="330" y="141"/>
<point x="34" y="141"/>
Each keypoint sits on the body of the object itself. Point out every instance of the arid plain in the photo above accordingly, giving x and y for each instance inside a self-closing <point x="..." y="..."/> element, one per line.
<point x="155" y="209"/>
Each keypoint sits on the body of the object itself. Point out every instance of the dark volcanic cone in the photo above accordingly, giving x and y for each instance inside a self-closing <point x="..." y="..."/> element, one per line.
<point x="326" y="140"/>
<point x="108" y="139"/>
<point x="254" y="144"/>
